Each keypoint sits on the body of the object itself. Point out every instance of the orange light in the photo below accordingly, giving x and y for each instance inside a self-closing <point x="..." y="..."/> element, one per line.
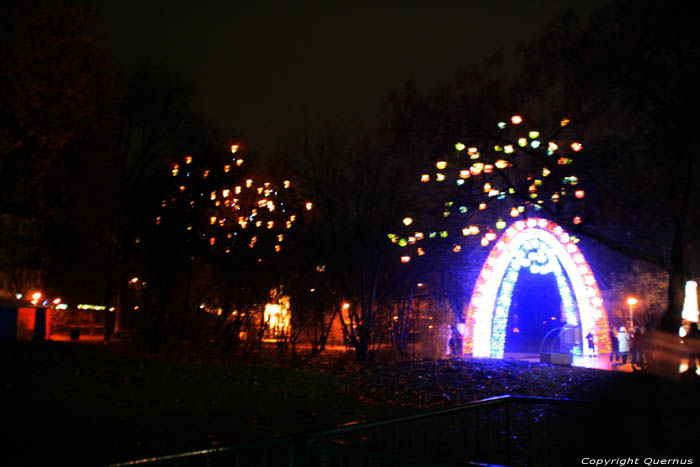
<point x="514" y="212"/>
<point x="309" y="205"/>
<point x="405" y="259"/>
<point x="234" y="148"/>
<point x="580" y="194"/>
<point x="36" y="295"/>
<point x="346" y="305"/>
<point x="632" y="301"/>
<point x="482" y="206"/>
<point x="239" y="162"/>
<point x="188" y="159"/>
<point x="425" y="178"/>
<point x="576" y="147"/>
<point x="516" y="119"/>
<point x="212" y="220"/>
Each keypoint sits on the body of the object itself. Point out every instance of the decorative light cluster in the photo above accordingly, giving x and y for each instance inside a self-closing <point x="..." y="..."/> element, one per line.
<point x="496" y="180"/>
<point x="224" y="207"/>
<point x="543" y="247"/>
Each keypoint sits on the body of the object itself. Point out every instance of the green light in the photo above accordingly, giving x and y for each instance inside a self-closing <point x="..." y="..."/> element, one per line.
<point x="460" y="182"/>
<point x="463" y="209"/>
<point x="501" y="125"/>
<point x="403" y="242"/>
<point x="443" y="234"/>
<point x="460" y="146"/>
<point x="534" y="134"/>
<point x="432" y="234"/>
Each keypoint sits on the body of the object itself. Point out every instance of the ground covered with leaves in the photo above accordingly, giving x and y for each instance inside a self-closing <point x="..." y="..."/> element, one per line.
<point x="95" y="403"/>
<point x="429" y="384"/>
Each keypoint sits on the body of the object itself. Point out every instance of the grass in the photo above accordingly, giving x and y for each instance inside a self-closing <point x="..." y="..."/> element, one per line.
<point x="96" y="403"/>
<point x="92" y="404"/>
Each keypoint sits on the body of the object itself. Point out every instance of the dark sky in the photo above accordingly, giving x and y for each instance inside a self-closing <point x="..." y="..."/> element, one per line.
<point x="261" y="68"/>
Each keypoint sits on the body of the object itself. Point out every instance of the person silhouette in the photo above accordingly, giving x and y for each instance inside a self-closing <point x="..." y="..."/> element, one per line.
<point x="615" y="346"/>
<point x="591" y="343"/>
<point x="624" y="343"/>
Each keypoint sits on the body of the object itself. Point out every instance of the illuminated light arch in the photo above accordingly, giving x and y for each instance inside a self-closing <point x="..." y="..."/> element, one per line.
<point x="544" y="247"/>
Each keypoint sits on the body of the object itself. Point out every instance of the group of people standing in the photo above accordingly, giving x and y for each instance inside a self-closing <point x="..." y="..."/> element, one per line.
<point x="624" y="344"/>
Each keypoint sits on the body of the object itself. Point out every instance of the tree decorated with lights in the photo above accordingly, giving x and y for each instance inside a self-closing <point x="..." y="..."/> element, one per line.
<point x="225" y="225"/>
<point x="228" y="209"/>
<point x="484" y="183"/>
<point x="498" y="184"/>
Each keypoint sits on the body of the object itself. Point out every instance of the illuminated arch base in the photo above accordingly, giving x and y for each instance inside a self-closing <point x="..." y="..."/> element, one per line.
<point x="544" y="247"/>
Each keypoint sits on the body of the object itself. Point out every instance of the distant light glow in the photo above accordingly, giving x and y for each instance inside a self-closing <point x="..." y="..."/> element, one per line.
<point x="690" y="304"/>
<point x="544" y="247"/>
<point x="86" y="306"/>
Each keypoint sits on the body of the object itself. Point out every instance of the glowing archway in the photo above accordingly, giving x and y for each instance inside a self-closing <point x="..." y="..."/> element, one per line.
<point x="544" y="247"/>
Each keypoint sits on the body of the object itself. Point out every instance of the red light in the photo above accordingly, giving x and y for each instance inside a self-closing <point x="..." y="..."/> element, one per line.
<point x="580" y="194"/>
<point x="405" y="259"/>
<point x="516" y="119"/>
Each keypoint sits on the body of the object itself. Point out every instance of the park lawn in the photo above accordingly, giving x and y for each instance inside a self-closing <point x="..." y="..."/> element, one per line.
<point x="92" y="404"/>
<point x="95" y="403"/>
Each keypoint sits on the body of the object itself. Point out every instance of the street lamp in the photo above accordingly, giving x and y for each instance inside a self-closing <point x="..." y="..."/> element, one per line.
<point x="631" y="301"/>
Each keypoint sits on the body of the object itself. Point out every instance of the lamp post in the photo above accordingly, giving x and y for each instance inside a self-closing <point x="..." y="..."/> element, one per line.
<point x="631" y="301"/>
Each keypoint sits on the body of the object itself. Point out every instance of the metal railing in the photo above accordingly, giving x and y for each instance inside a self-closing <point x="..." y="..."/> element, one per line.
<point x="504" y="430"/>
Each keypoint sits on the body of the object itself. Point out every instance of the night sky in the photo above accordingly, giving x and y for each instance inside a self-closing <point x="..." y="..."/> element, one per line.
<point x="263" y="68"/>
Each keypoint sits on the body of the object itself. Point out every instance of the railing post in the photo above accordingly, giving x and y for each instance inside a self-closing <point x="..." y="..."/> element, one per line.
<point x="291" y="452"/>
<point x="509" y="431"/>
<point x="325" y="459"/>
<point x="308" y="452"/>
